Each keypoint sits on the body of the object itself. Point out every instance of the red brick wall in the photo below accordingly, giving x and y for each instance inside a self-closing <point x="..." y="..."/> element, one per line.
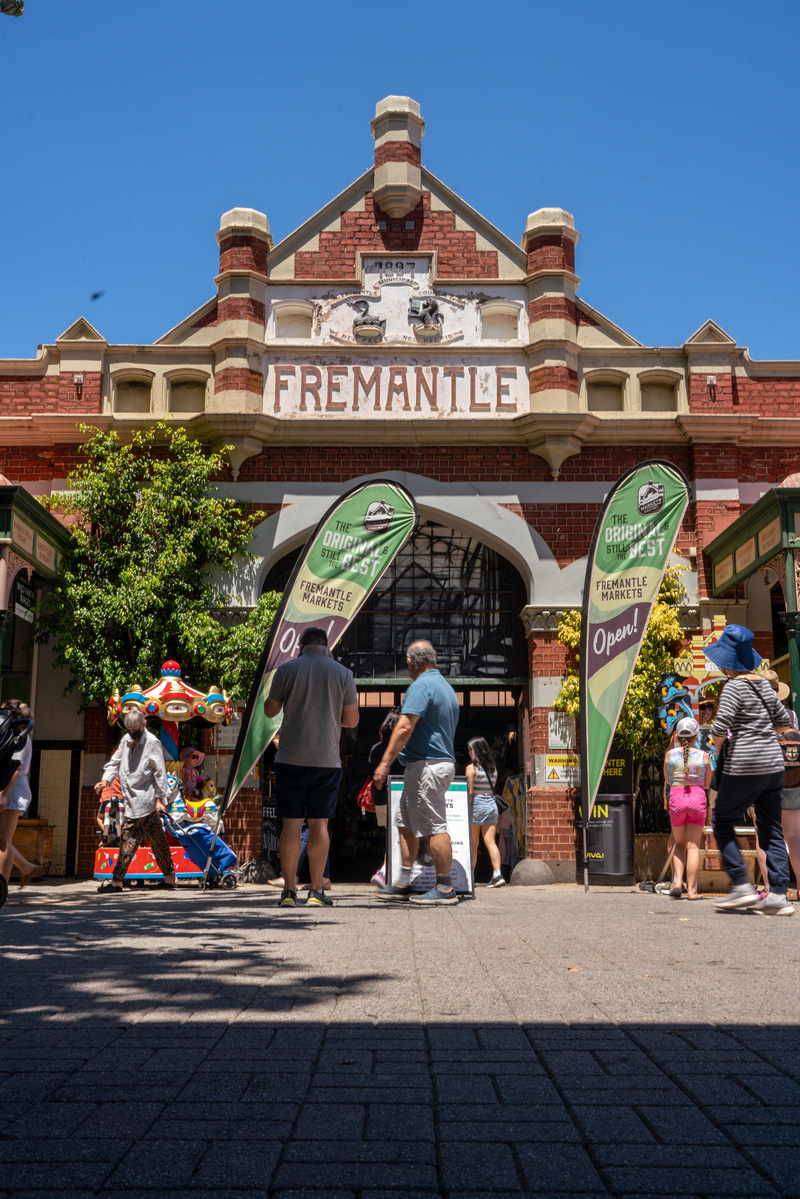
<point x="241" y="308"/>
<point x="567" y="528"/>
<point x="542" y="378"/>
<point x="551" y="824"/>
<point x="318" y="464"/>
<point x="551" y="252"/>
<point x="208" y="320"/>
<point x="21" y="395"/>
<point x="766" y="395"/>
<point x="398" y="152"/>
<point x="458" y="257"/>
<point x="236" y="378"/>
<point x="88" y="840"/>
<point x="243" y="825"/>
<point x="241" y="252"/>
<point x="30" y="463"/>
<point x="552" y="308"/>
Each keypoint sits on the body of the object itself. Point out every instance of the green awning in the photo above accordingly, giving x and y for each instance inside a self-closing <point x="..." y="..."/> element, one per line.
<point x="771" y="526"/>
<point x="31" y="532"/>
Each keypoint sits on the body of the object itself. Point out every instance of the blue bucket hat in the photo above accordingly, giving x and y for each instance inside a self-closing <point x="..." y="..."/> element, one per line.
<point x="733" y="650"/>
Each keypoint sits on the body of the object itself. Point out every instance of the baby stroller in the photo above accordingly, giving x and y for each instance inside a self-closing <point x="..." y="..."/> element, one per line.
<point x="198" y="841"/>
<point x="13" y="731"/>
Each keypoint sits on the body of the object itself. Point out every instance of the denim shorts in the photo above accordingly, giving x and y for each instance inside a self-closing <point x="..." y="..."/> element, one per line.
<point x="484" y="810"/>
<point x="308" y="792"/>
<point x="790" y="799"/>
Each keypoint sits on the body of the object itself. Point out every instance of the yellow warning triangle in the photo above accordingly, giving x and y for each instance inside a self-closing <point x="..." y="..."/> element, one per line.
<point x="553" y="774"/>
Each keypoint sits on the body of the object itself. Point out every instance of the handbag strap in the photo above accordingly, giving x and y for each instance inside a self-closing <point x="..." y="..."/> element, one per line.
<point x="757" y="691"/>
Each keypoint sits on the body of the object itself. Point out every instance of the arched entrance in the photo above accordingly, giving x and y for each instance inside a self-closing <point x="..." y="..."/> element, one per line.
<point x="463" y="596"/>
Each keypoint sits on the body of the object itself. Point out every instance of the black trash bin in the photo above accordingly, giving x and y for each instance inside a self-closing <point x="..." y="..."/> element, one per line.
<point x="609" y="841"/>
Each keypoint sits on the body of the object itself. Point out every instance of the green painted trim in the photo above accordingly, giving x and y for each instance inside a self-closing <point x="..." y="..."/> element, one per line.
<point x="778" y="503"/>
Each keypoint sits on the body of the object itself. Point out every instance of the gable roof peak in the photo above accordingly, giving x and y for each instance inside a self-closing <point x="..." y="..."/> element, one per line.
<point x="80" y="330"/>
<point x="711" y="332"/>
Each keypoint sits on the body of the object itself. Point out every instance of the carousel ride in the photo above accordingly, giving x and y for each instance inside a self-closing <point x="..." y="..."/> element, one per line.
<point x="193" y="800"/>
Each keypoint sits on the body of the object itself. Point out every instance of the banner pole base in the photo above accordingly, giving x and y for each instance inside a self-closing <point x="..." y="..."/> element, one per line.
<point x="585" y="863"/>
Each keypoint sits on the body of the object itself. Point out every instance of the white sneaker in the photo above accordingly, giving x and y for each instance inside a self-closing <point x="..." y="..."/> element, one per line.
<point x="496" y="880"/>
<point x="378" y="879"/>
<point x="743" y="895"/>
<point x="773" y="905"/>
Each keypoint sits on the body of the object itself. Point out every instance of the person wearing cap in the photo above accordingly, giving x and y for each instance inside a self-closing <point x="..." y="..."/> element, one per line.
<point x="752" y="772"/>
<point x="687" y="770"/>
<point x="783" y="691"/>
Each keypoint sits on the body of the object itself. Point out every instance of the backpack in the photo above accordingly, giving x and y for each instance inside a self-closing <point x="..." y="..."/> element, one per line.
<point x="14" y="730"/>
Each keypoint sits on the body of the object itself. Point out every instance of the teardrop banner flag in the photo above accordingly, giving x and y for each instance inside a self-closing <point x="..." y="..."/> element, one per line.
<point x="355" y="542"/>
<point x="632" y="541"/>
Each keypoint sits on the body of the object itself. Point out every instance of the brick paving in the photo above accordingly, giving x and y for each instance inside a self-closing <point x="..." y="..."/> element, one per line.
<point x="535" y="1041"/>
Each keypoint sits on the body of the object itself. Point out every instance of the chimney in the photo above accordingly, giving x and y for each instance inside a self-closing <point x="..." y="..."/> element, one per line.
<point x="397" y="128"/>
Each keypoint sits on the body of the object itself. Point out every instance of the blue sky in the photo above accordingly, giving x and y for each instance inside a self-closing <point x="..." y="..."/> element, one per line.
<point x="670" y="131"/>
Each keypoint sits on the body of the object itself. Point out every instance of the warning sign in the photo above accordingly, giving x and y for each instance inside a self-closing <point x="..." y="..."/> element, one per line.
<point x="562" y="769"/>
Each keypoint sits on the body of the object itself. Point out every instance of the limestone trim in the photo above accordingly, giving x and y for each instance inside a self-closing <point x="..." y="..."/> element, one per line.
<point x="710" y="334"/>
<point x="455" y="505"/>
<point x="80" y="330"/>
<point x="556" y="436"/>
<point x="187" y="324"/>
<point x="241" y="274"/>
<point x="495" y="236"/>
<point x="320" y="220"/>
<point x="717" y="427"/>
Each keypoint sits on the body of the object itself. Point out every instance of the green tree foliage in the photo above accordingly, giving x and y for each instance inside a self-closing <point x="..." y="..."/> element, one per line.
<point x="638" y="729"/>
<point x="135" y="587"/>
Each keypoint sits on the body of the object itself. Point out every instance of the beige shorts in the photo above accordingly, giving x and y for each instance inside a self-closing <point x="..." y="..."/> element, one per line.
<point x="423" y="808"/>
<point x="380" y="814"/>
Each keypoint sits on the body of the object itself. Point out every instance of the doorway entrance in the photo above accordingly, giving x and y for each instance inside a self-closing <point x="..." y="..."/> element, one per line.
<point x="448" y="588"/>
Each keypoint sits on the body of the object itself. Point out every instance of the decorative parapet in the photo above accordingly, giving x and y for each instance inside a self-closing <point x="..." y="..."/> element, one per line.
<point x="690" y="619"/>
<point x="546" y="620"/>
<point x="541" y="620"/>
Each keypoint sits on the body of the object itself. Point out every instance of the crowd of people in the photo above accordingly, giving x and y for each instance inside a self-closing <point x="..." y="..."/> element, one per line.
<point x="744" y="759"/>
<point x="756" y="771"/>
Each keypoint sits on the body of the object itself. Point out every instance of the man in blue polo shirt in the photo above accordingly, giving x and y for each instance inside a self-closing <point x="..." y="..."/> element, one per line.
<point x="423" y="740"/>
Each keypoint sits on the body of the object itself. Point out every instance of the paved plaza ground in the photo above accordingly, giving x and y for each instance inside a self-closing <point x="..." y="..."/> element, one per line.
<point x="536" y="1040"/>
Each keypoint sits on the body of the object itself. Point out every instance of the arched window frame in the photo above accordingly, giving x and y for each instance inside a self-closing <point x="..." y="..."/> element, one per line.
<point x="500" y="308"/>
<point x="281" y="308"/>
<point x="130" y="374"/>
<point x="182" y="374"/>
<point x="673" y="378"/>
<point x="606" y="374"/>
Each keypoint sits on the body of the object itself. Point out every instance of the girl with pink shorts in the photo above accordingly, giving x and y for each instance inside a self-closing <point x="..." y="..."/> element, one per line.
<point x="688" y="772"/>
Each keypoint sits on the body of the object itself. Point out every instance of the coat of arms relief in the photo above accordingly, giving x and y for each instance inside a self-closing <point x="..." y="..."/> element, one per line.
<point x="397" y="306"/>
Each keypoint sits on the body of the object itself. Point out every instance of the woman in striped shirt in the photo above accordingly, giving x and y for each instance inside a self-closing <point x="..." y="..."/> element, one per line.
<point x="752" y="773"/>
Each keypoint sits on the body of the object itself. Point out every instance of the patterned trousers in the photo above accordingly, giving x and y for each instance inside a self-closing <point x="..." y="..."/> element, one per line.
<point x="134" y="835"/>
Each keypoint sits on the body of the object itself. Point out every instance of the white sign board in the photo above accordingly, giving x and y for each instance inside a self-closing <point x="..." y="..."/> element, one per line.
<point x="229" y="734"/>
<point x="459" y="826"/>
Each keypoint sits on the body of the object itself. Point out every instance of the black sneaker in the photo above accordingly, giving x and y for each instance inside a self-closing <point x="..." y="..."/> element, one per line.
<point x="288" y="899"/>
<point x="318" y="899"/>
<point x="398" y="894"/>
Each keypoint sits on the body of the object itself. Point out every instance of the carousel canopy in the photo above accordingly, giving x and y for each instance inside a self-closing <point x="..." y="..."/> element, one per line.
<point x="172" y="700"/>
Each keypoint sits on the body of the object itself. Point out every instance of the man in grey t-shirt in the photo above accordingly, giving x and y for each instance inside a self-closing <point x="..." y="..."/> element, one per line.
<point x="319" y="699"/>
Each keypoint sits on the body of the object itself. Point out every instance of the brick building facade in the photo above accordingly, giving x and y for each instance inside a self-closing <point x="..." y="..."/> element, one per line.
<point x="397" y="332"/>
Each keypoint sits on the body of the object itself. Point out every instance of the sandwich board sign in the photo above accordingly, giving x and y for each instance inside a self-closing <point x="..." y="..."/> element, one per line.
<point x="459" y="826"/>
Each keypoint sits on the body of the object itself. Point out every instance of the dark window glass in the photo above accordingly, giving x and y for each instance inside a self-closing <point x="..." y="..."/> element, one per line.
<point x="444" y="587"/>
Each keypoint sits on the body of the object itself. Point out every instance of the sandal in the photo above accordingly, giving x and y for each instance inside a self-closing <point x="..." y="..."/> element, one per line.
<point x="694" y="898"/>
<point x="676" y="893"/>
<point x="107" y="886"/>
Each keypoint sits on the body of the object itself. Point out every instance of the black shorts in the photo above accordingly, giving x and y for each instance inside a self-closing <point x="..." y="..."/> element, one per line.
<point x="306" y="791"/>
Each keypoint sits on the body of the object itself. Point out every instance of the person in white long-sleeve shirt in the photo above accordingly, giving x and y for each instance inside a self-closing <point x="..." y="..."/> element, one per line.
<point x="139" y="762"/>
